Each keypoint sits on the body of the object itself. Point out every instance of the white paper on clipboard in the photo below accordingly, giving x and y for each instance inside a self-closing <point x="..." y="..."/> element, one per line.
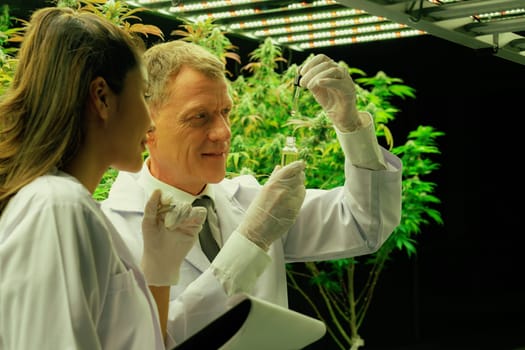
<point x="269" y="326"/>
<point x="255" y="324"/>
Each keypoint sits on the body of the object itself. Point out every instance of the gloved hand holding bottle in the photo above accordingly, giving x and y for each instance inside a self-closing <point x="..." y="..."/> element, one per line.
<point x="169" y="230"/>
<point x="334" y="90"/>
<point x="275" y="208"/>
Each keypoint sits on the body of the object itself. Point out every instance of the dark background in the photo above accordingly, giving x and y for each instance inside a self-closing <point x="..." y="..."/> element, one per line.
<point x="464" y="289"/>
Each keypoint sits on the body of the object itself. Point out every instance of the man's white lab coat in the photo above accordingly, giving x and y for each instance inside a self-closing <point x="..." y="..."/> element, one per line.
<point x="339" y="223"/>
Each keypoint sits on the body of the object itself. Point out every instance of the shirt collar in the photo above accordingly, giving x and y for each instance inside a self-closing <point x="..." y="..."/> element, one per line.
<point x="151" y="183"/>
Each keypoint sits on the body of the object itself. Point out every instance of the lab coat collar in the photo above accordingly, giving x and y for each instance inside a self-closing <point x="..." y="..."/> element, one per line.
<point x="125" y="195"/>
<point x="149" y="183"/>
<point x="128" y="193"/>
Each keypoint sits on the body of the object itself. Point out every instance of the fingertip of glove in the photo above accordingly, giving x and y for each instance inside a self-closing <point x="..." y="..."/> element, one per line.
<point x="167" y="198"/>
<point x="298" y="165"/>
<point x="200" y="210"/>
<point x="293" y="169"/>
<point x="156" y="194"/>
<point x="153" y="201"/>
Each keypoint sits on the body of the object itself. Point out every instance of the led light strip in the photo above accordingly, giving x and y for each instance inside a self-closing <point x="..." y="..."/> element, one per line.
<point x="441" y="2"/>
<point x="277" y="20"/>
<point x="319" y="25"/>
<point x="210" y="5"/>
<point x="360" y="39"/>
<point x="150" y="2"/>
<point x="501" y="15"/>
<point x="297" y="19"/>
<point x="339" y="33"/>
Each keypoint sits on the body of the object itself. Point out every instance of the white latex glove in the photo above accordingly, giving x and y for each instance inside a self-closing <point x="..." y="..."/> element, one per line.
<point x="274" y="210"/>
<point x="333" y="89"/>
<point x="169" y="229"/>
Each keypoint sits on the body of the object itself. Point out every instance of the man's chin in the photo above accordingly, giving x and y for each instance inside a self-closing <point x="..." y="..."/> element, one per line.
<point x="216" y="177"/>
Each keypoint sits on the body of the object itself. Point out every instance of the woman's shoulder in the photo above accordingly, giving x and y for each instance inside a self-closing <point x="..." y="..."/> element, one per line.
<point x="54" y="187"/>
<point x="53" y="192"/>
<point x="56" y="201"/>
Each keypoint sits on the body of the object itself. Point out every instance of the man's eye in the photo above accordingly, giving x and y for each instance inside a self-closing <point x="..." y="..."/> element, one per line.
<point x="197" y="120"/>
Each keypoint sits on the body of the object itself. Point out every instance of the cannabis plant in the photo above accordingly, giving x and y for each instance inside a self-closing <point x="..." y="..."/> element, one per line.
<point x="262" y="117"/>
<point x="205" y="33"/>
<point x="118" y="12"/>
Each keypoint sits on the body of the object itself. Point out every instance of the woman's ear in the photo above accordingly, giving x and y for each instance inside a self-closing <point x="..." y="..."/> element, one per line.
<point x="99" y="96"/>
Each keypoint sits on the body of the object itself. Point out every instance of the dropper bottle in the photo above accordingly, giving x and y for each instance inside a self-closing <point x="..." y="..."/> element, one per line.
<point x="289" y="153"/>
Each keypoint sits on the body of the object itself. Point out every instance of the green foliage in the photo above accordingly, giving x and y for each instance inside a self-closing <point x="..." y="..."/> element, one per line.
<point x="335" y="281"/>
<point x="9" y="37"/>
<point x="208" y="35"/>
<point x="102" y="190"/>
<point x="118" y="12"/>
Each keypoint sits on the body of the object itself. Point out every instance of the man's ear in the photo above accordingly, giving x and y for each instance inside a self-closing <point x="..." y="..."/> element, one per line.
<point x="150" y="134"/>
<point x="151" y="138"/>
<point x="99" y="96"/>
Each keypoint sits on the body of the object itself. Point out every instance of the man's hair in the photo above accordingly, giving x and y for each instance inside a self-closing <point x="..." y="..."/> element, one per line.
<point x="165" y="60"/>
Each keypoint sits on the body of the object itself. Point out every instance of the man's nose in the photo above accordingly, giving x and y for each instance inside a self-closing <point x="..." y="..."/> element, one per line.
<point x="220" y="129"/>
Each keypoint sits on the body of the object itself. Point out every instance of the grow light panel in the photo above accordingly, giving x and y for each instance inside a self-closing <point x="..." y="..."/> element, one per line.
<point x="298" y="25"/>
<point x="495" y="27"/>
<point x="498" y="25"/>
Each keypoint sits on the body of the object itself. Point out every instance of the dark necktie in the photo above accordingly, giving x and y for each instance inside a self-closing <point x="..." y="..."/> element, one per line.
<point x="208" y="243"/>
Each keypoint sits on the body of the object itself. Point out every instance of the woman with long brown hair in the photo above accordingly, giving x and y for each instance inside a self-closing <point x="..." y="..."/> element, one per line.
<point x="77" y="106"/>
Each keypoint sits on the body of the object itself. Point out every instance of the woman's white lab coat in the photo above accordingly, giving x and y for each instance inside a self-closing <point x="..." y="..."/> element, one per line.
<point x="67" y="281"/>
<point x="343" y="222"/>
